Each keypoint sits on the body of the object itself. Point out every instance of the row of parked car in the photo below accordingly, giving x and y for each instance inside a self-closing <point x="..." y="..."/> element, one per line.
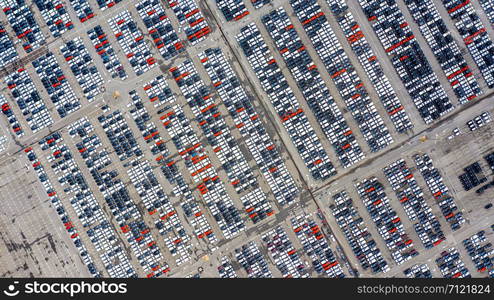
<point x="120" y="135"/>
<point x="132" y="42"/>
<point x="257" y="205"/>
<point x="96" y="161"/>
<point x="99" y="231"/>
<point x="110" y="179"/>
<point x="387" y="221"/>
<point x="479" y="121"/>
<point x="481" y="252"/>
<point x="252" y="260"/>
<point x="233" y="161"/>
<point x="284" y="255"/>
<point x="474" y="35"/>
<point x="114" y="256"/>
<point x="105" y="50"/>
<point x="285" y="103"/>
<point x="455" y="132"/>
<point x="232" y="9"/>
<point x="445" y="49"/>
<point x="169" y="169"/>
<point x="358" y="236"/>
<point x="104" y="4"/>
<point x="144" y="247"/>
<point x="159" y="93"/>
<point x="149" y="131"/>
<point x="29" y="101"/>
<point x="259" y="3"/>
<point x="489" y="158"/>
<point x="412" y="199"/>
<point x="56" y="85"/>
<point x="160" y="28"/>
<point x="313" y="88"/>
<point x="483" y="189"/>
<point x="60" y="210"/>
<point x="190" y="16"/>
<point x="488" y="7"/>
<point x="247" y="121"/>
<point x="213" y="125"/>
<point x="7" y="48"/>
<point x="341" y="70"/>
<point x="439" y="190"/>
<point x="11" y="118"/>
<point x="418" y="271"/>
<point x="472" y="177"/>
<point x="431" y="175"/>
<point x="371" y="65"/>
<point x="83" y="10"/>
<point x="55" y="15"/>
<point x="150" y="191"/>
<point x="225" y="269"/>
<point x="83" y="67"/>
<point x="451" y="265"/>
<point x="25" y="26"/>
<point x="203" y="173"/>
<point x="159" y="206"/>
<point x="408" y="59"/>
<point x="316" y="247"/>
<point x="118" y="199"/>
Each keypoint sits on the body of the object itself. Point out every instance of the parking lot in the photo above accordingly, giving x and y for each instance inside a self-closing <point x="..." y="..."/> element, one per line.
<point x="237" y="138"/>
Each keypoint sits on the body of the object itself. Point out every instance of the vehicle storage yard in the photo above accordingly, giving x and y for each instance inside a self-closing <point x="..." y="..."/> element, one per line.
<point x="247" y="138"/>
